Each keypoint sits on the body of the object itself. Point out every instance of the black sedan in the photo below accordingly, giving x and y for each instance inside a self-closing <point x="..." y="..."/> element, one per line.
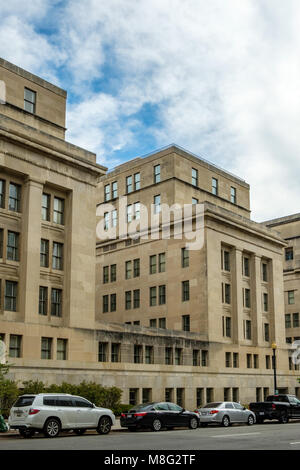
<point x="157" y="416"/>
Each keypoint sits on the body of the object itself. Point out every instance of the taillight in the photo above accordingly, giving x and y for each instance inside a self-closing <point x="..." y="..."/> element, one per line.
<point x="213" y="412"/>
<point x="273" y="406"/>
<point x="140" y="414"/>
<point x="123" y="415"/>
<point x="33" y="411"/>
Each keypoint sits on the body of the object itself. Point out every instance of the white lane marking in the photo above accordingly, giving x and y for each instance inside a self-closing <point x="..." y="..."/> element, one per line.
<point x="294" y="443"/>
<point x="237" y="435"/>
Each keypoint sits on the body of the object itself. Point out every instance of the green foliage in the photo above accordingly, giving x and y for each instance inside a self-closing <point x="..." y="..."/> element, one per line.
<point x="33" y="386"/>
<point x="8" y="391"/>
<point x="122" y="408"/>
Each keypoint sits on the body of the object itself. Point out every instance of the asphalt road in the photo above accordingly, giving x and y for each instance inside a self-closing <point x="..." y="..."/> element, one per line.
<point x="269" y="436"/>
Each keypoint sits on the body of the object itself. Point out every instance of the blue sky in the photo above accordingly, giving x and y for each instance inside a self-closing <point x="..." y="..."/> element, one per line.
<point x="220" y="79"/>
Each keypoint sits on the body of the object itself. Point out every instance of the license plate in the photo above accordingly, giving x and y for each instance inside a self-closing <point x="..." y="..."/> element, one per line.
<point x="18" y="413"/>
<point x="261" y="412"/>
<point x="203" y="414"/>
<point x="129" y="416"/>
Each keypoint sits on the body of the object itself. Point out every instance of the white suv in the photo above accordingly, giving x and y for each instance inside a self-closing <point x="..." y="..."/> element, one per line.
<point x="52" y="412"/>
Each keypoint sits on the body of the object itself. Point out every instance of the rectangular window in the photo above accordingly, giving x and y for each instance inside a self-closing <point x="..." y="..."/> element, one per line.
<point x="129" y="187"/>
<point x="12" y="246"/>
<point x="2" y="194"/>
<point x="61" y="352"/>
<point x="107" y="192"/>
<point x="289" y="254"/>
<point x="11" y="293"/>
<point x="226" y="260"/>
<point x="247" y="298"/>
<point x="168" y="356"/>
<point x="152" y="323"/>
<point x="128" y="270"/>
<point x="162" y="295"/>
<point x="246" y="266"/>
<point x="185" y="257"/>
<point x="138" y="354"/>
<point x="199" y="397"/>
<point x="1" y="242"/>
<point x="136" y="267"/>
<point x="133" y="396"/>
<point x="249" y="361"/>
<point x="247" y="327"/>
<point x="180" y="397"/>
<point x="113" y="273"/>
<point x="235" y="394"/>
<point x="265" y="272"/>
<point x="178" y="356"/>
<point x="169" y="392"/>
<point x="291" y="297"/>
<point x="227" y="394"/>
<point x="136" y="298"/>
<point x="46" y="207"/>
<point x="235" y="361"/>
<point x="226" y="291"/>
<point x="255" y="361"/>
<point x="114" y="191"/>
<point x="137" y="181"/>
<point x="157" y="174"/>
<point x="105" y="274"/>
<point x="265" y="302"/>
<point x="102" y="352"/>
<point x="114" y="218"/>
<point x="267" y="332"/>
<point x="129" y="213"/>
<point x="196" y="357"/>
<point x="46" y="348"/>
<point x="186" y="322"/>
<point x="44" y="256"/>
<point x="162" y="323"/>
<point x="194" y="177"/>
<point x="214" y="186"/>
<point x="115" y="352"/>
<point x="57" y="256"/>
<point x="161" y="262"/>
<point x="185" y="290"/>
<point x="43" y="300"/>
<point x="157" y="204"/>
<point x="209" y="395"/>
<point x="113" y="302"/>
<point x="137" y="211"/>
<point x="14" y="203"/>
<point x="288" y="323"/>
<point x="56" y="302"/>
<point x="15" y="342"/>
<point x="194" y="201"/>
<point x="268" y="362"/>
<point x="227" y="327"/>
<point x="295" y="320"/>
<point x="233" y="195"/>
<point x="152" y="296"/>
<point x="204" y="358"/>
<point x="58" y="211"/>
<point x="149" y="355"/>
<point x="228" y="359"/>
<point x="128" y="300"/>
<point x="146" y="395"/>
<point x="152" y="261"/>
<point x="29" y="100"/>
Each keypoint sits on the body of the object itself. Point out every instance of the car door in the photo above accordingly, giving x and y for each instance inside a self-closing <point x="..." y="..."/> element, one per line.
<point x="177" y="415"/>
<point x="66" y="411"/>
<point x="232" y="412"/>
<point x="241" y="414"/>
<point x="162" y="412"/>
<point x="294" y="407"/>
<point x="85" y="413"/>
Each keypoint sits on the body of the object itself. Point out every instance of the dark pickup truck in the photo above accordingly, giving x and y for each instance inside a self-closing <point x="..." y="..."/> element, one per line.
<point x="281" y="407"/>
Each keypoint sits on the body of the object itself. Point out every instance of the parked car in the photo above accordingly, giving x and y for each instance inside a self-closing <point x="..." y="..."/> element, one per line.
<point x="280" y="407"/>
<point x="51" y="413"/>
<point x="225" y="413"/>
<point x="158" y="415"/>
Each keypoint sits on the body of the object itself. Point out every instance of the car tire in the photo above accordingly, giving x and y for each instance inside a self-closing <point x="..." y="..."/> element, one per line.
<point x="104" y="425"/>
<point x="193" y="424"/>
<point x="284" y="419"/>
<point x="226" y="421"/>
<point x="26" y="433"/>
<point x="156" y="425"/>
<point x="250" y="420"/>
<point x="79" y="432"/>
<point x="52" y="427"/>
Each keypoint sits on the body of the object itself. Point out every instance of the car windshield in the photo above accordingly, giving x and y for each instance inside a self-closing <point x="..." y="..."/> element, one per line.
<point x="24" y="401"/>
<point x="212" y="405"/>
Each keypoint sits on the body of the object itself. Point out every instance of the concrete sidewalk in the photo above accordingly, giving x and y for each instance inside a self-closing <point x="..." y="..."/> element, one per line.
<point x="14" y="432"/>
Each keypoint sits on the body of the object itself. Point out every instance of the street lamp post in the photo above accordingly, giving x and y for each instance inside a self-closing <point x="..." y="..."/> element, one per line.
<point x="274" y="347"/>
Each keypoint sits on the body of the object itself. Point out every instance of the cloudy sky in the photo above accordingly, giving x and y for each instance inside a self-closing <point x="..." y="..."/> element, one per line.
<point x="218" y="78"/>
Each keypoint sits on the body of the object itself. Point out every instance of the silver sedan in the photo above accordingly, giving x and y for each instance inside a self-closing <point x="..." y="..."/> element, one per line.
<point x="225" y="413"/>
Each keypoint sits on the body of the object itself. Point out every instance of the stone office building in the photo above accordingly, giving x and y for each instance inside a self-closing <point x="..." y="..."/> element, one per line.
<point x="148" y="315"/>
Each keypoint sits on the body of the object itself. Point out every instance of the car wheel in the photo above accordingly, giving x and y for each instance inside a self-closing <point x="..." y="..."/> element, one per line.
<point x="284" y="418"/>
<point x="104" y="425"/>
<point x="26" y="433"/>
<point x="226" y="421"/>
<point x="156" y="425"/>
<point x="193" y="424"/>
<point x="79" y="432"/>
<point x="52" y="427"/>
<point x="250" y="420"/>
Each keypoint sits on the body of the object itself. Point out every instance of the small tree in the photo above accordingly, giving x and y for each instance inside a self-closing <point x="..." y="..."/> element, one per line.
<point x="9" y="391"/>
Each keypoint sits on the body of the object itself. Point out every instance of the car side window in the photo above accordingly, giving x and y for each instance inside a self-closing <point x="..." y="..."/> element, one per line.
<point x="83" y="403"/>
<point x="161" y="407"/>
<point x="62" y="401"/>
<point x="174" y="407"/>
<point x="49" y="401"/>
<point x="238" y="406"/>
<point x="229" y="406"/>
